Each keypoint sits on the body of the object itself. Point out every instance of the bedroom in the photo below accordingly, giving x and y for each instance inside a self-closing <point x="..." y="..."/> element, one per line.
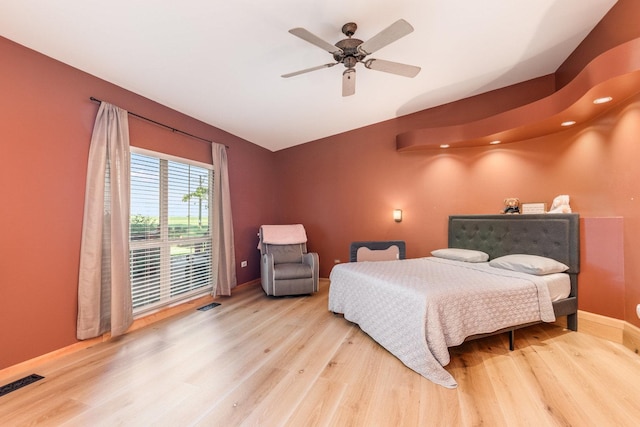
<point x="48" y="146"/>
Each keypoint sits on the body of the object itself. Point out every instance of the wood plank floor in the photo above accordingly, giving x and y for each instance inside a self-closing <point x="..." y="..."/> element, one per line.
<point x="263" y="361"/>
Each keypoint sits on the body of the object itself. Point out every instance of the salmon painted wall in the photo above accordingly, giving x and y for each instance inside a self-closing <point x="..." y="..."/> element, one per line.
<point x="618" y="26"/>
<point x="347" y="186"/>
<point x="46" y="119"/>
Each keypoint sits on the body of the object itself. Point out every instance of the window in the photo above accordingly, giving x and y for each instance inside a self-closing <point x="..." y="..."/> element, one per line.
<point x="170" y="233"/>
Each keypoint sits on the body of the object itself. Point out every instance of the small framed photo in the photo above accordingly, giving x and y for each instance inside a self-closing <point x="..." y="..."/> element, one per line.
<point x="534" y="208"/>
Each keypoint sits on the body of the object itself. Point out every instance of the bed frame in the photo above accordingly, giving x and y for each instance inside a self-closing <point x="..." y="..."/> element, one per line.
<point x="555" y="236"/>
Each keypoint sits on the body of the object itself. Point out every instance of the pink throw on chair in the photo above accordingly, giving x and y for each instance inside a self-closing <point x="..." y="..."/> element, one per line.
<point x="283" y="234"/>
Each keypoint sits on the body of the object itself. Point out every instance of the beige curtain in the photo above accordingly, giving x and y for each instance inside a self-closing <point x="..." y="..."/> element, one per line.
<point x="223" y="251"/>
<point x="104" y="287"/>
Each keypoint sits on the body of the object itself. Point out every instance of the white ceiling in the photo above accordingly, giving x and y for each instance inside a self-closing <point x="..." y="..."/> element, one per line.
<point x="221" y="61"/>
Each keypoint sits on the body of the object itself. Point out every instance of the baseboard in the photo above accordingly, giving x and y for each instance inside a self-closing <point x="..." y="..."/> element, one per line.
<point x="81" y="345"/>
<point x="251" y="282"/>
<point x="17" y="370"/>
<point x="631" y="337"/>
<point x="601" y="326"/>
<point x="615" y="330"/>
<point x="138" y="323"/>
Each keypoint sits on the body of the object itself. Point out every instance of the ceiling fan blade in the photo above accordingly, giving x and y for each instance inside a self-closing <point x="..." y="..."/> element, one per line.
<point x="349" y="82"/>
<point x="308" y="70"/>
<point x="392" y="67"/>
<point x="393" y="32"/>
<point x="313" y="39"/>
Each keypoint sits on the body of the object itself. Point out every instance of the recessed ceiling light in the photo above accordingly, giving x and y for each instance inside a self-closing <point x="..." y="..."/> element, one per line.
<point x="568" y="123"/>
<point x="497" y="141"/>
<point x="444" y="145"/>
<point x="602" y="100"/>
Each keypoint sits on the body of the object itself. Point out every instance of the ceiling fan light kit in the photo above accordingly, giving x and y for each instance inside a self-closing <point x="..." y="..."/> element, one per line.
<point x="351" y="51"/>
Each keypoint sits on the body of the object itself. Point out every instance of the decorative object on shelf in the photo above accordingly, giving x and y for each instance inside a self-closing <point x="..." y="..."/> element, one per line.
<point x="511" y="205"/>
<point x="534" y="208"/>
<point x="397" y="215"/>
<point x="560" y="204"/>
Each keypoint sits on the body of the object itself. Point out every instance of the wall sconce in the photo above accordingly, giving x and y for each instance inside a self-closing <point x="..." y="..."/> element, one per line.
<point x="397" y="215"/>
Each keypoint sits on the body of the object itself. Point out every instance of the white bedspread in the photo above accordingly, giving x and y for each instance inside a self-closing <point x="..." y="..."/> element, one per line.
<point x="417" y="308"/>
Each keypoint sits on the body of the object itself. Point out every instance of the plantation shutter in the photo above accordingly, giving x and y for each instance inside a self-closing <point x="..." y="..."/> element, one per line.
<point x="170" y="234"/>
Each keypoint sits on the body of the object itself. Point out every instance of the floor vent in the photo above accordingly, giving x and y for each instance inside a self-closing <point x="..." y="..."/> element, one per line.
<point x="8" y="388"/>
<point x="209" y="306"/>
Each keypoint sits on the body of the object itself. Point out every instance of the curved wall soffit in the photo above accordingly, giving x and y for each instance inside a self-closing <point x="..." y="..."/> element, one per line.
<point x="615" y="73"/>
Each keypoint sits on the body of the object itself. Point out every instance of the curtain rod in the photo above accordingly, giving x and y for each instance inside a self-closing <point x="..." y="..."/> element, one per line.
<point x="162" y="124"/>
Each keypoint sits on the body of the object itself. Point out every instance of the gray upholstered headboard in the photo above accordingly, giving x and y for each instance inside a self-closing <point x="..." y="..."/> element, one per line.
<point x="555" y="236"/>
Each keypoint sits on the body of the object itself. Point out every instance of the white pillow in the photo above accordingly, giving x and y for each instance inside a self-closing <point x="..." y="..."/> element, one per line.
<point x="466" y="255"/>
<point x="531" y="264"/>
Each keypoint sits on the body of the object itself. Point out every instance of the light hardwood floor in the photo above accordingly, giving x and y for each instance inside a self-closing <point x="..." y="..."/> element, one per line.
<point x="263" y="361"/>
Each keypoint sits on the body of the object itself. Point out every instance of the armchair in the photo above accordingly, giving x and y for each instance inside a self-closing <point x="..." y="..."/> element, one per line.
<point x="286" y="267"/>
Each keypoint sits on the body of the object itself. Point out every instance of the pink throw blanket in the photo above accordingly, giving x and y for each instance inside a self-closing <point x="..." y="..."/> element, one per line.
<point x="283" y="234"/>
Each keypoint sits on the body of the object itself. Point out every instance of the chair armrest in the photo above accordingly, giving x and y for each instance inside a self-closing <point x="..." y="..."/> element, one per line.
<point x="311" y="259"/>
<point x="267" y="273"/>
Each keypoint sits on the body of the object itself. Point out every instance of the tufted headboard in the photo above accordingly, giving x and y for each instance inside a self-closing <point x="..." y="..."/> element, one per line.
<point x="554" y="236"/>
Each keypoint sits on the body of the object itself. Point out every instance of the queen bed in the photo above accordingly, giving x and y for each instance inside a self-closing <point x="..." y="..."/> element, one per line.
<point x="481" y="284"/>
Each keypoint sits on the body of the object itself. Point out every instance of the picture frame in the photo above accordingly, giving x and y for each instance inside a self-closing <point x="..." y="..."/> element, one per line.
<point x="533" y="208"/>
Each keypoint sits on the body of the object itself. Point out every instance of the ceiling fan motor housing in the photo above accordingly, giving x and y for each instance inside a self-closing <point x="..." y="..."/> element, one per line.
<point x="350" y="54"/>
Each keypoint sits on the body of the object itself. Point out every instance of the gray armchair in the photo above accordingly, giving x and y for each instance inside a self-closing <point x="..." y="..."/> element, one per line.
<point x="286" y="268"/>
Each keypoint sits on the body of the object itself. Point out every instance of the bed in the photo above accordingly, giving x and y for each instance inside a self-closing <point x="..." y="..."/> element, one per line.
<point x="418" y="308"/>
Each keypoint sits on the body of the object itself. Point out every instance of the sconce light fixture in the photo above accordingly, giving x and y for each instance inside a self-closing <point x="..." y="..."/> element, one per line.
<point x="397" y="215"/>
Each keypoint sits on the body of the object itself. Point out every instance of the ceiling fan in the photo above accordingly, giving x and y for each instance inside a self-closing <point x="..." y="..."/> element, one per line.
<point x="351" y="51"/>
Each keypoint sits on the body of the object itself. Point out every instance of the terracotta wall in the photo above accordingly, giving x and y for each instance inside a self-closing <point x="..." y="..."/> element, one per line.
<point x="46" y="119"/>
<point x="347" y="186"/>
